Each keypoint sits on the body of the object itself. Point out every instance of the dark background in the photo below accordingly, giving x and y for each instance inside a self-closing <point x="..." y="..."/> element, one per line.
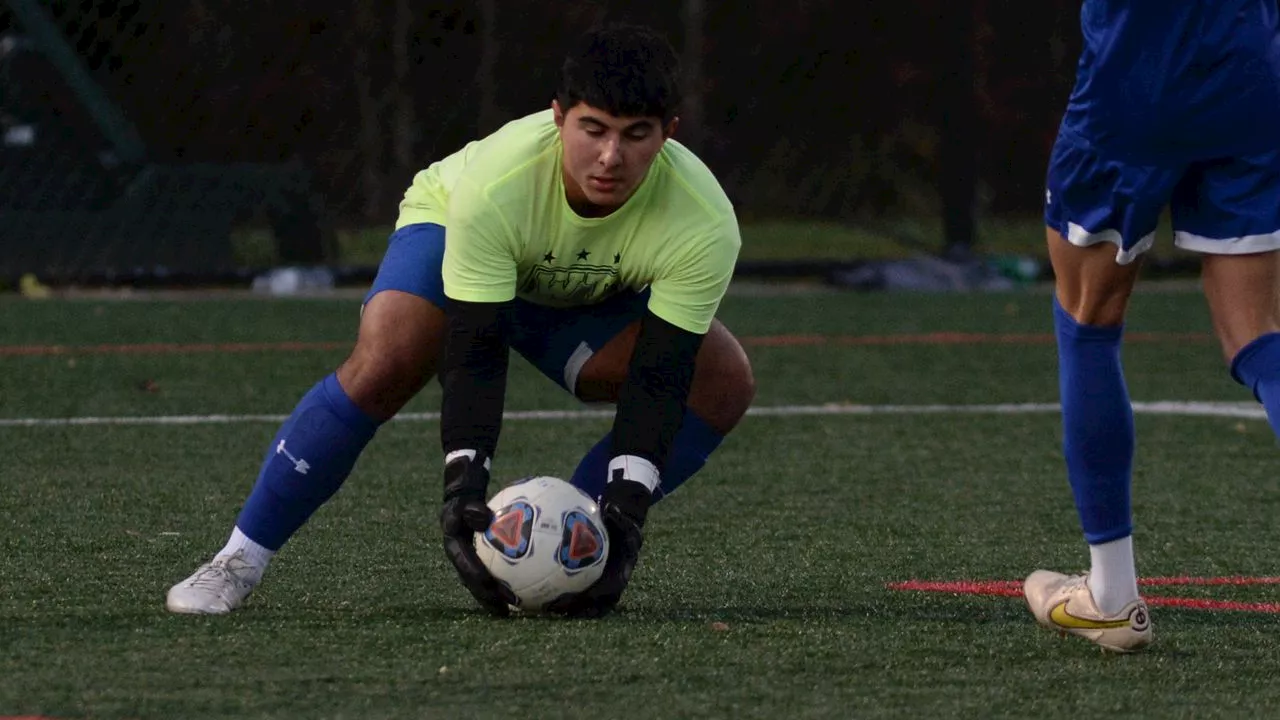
<point x="804" y="108"/>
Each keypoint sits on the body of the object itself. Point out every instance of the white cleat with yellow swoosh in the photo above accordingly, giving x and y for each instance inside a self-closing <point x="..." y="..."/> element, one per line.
<point x="1064" y="603"/>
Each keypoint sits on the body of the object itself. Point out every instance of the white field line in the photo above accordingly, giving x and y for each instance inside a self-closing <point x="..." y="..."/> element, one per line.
<point x="1244" y="411"/>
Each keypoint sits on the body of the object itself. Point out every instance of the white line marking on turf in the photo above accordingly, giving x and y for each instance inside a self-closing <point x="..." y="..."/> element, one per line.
<point x="1244" y="411"/>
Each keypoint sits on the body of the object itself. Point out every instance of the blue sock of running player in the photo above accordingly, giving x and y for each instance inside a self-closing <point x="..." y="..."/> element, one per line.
<point x="1098" y="441"/>
<point x="1257" y="367"/>
<point x="692" y="445"/>
<point x="309" y="459"/>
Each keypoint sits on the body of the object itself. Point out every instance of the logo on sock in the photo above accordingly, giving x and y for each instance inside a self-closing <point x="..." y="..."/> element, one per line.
<point x="302" y="466"/>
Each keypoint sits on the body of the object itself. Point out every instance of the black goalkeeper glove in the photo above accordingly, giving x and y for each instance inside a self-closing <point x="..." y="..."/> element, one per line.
<point x="464" y="514"/>
<point x="623" y="508"/>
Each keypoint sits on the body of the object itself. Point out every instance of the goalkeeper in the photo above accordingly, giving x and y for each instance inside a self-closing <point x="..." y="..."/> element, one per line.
<point x="587" y="240"/>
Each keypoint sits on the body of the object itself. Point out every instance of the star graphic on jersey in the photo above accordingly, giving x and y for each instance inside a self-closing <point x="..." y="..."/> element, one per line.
<point x="582" y="255"/>
<point x="617" y="257"/>
<point x="548" y="257"/>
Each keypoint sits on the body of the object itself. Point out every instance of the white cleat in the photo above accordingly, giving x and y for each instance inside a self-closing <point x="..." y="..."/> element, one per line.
<point x="215" y="588"/>
<point x="1064" y="603"/>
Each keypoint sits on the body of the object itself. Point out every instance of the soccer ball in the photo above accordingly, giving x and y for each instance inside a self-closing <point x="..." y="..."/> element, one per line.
<point x="547" y="540"/>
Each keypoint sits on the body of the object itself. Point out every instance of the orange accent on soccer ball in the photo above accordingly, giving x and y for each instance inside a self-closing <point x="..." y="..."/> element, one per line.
<point x="583" y="543"/>
<point x="506" y="528"/>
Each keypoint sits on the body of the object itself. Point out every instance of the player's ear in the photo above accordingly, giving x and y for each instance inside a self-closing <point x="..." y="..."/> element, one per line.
<point x="670" y="128"/>
<point x="558" y="113"/>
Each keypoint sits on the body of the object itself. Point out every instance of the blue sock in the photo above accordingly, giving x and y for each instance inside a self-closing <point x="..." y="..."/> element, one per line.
<point x="1257" y="367"/>
<point x="692" y="445"/>
<point x="1097" y="426"/>
<point x="306" y="464"/>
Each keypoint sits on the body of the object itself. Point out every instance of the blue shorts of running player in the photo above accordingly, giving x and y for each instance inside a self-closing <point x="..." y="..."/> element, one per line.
<point x="1222" y="206"/>
<point x="557" y="341"/>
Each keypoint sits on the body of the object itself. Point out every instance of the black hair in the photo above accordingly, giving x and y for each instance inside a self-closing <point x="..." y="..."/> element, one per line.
<point x="625" y="70"/>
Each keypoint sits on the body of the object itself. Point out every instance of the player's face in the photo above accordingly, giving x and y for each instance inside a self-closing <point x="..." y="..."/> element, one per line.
<point x="606" y="156"/>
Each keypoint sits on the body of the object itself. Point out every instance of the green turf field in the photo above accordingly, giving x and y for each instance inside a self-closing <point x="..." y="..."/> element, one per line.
<point x="763" y="591"/>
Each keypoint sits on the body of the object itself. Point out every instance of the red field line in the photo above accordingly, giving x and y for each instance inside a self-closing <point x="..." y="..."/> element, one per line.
<point x="1204" y="604"/>
<point x="950" y="338"/>
<point x="1013" y="588"/>
<point x="936" y="338"/>
<point x="1230" y="580"/>
<point x="165" y="349"/>
<point x="1006" y="588"/>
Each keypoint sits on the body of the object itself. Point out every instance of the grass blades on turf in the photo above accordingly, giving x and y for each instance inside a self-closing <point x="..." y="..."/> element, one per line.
<point x="763" y="590"/>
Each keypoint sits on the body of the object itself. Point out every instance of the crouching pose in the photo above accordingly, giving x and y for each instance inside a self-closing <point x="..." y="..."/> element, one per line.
<point x="585" y="239"/>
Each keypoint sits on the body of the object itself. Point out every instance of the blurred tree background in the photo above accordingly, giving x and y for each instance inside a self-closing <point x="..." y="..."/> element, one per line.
<point x="804" y="108"/>
<point x="139" y="135"/>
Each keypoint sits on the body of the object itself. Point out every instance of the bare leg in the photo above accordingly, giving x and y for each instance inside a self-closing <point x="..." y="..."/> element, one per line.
<point x="723" y="385"/>
<point x="722" y="390"/>
<point x="1089" y="284"/>
<point x="399" y="344"/>
<point x="1244" y="297"/>
<point x="1244" y="300"/>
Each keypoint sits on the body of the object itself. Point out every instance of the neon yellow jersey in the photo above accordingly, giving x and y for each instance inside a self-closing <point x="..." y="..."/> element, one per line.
<point x="511" y="233"/>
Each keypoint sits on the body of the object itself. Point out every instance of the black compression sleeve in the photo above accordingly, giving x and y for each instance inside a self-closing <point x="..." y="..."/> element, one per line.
<point x="473" y="374"/>
<point x="652" y="402"/>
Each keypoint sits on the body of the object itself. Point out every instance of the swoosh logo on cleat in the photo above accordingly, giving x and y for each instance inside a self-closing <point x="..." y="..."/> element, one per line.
<point x="1061" y="617"/>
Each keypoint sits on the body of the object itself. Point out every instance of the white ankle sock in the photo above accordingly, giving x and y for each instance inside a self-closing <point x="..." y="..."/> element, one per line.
<point x="253" y="553"/>
<point x="1113" y="580"/>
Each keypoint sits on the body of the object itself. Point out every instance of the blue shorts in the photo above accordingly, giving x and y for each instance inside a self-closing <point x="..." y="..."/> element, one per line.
<point x="557" y="341"/>
<point x="1226" y="206"/>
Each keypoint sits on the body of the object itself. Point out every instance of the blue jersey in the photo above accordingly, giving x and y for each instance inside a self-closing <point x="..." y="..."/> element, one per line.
<point x="1177" y="79"/>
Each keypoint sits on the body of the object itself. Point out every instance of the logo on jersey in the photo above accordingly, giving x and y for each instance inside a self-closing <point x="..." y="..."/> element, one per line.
<point x="581" y="282"/>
